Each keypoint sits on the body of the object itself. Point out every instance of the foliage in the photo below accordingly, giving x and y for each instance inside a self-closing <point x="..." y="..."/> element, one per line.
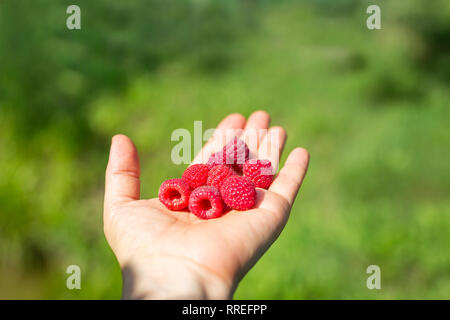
<point x="370" y="106"/>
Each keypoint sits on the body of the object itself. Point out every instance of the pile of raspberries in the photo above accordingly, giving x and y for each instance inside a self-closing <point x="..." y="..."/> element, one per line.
<point x="227" y="181"/>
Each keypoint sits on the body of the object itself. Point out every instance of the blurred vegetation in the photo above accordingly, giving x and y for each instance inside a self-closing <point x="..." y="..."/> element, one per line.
<point x="370" y="106"/>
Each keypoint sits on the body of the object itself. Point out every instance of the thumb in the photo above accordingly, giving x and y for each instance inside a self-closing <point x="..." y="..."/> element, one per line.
<point x="122" y="182"/>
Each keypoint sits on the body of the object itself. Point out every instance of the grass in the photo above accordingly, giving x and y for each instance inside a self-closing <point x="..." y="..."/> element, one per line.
<point x="376" y="191"/>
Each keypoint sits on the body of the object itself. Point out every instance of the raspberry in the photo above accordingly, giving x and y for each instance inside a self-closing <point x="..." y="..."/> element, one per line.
<point x="205" y="202"/>
<point x="218" y="174"/>
<point x="196" y="175"/>
<point x="226" y="208"/>
<point x="238" y="192"/>
<point x="236" y="152"/>
<point x="219" y="158"/>
<point x="216" y="159"/>
<point x="259" y="171"/>
<point x="174" y="194"/>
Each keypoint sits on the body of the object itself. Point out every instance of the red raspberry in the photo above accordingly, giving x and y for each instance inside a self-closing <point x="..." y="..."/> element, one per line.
<point x="236" y="152"/>
<point x="238" y="192"/>
<point x="260" y="172"/>
<point x="218" y="174"/>
<point x="196" y="175"/>
<point x="174" y="194"/>
<point x="219" y="158"/>
<point x="205" y="202"/>
<point x="216" y="159"/>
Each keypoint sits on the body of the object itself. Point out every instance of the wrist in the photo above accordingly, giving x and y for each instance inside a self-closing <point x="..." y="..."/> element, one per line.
<point x="173" y="278"/>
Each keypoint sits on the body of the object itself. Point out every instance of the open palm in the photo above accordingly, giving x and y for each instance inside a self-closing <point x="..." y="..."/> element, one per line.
<point x="174" y="254"/>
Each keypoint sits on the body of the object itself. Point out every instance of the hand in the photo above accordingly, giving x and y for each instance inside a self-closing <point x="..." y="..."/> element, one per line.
<point x="174" y="255"/>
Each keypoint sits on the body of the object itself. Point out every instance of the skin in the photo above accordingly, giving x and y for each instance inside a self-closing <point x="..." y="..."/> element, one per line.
<point x="174" y="255"/>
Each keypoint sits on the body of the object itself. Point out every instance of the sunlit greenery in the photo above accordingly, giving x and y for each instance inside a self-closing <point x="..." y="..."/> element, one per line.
<point x="370" y="106"/>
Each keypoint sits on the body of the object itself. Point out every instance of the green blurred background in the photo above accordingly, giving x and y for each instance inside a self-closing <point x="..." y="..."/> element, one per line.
<point x="372" y="107"/>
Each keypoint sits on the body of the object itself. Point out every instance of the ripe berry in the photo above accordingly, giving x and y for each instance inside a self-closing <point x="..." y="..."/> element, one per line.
<point x="174" y="194"/>
<point x="196" y="175"/>
<point x="219" y="158"/>
<point x="218" y="174"/>
<point x="259" y="171"/>
<point x="238" y="192"/>
<point x="205" y="202"/>
<point x="216" y="159"/>
<point x="236" y="152"/>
